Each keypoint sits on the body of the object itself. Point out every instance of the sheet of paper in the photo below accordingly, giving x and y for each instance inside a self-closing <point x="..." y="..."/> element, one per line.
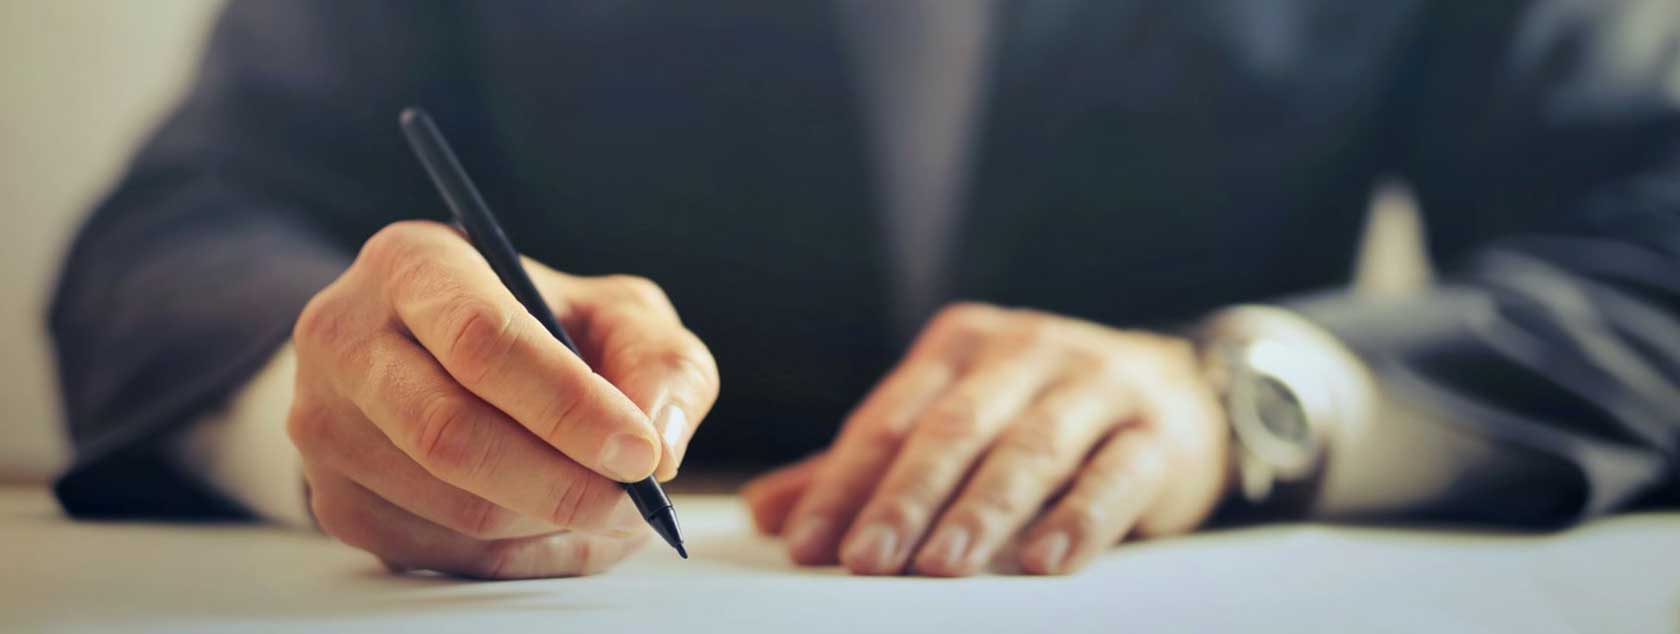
<point x="1620" y="575"/>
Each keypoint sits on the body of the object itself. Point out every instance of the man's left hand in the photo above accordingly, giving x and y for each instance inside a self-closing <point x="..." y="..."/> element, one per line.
<point x="1002" y="423"/>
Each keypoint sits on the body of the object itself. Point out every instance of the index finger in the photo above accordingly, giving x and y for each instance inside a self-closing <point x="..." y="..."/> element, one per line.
<point x="448" y="297"/>
<point x="627" y="326"/>
<point x="874" y="434"/>
<point x="868" y="441"/>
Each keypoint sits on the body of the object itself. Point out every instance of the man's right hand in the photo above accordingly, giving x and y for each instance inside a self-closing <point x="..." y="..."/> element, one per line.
<point x="443" y="428"/>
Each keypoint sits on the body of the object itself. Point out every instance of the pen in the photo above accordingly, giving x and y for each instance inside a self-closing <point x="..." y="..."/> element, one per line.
<point x="487" y="236"/>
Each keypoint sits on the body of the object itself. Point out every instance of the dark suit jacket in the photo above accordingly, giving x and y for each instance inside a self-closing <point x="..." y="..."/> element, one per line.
<point x="1140" y="162"/>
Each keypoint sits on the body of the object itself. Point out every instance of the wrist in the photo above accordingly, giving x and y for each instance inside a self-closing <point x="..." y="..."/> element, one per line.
<point x="1288" y="389"/>
<point x="241" y="451"/>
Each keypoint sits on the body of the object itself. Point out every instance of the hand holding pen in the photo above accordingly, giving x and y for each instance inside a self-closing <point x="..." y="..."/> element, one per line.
<point x="444" y="427"/>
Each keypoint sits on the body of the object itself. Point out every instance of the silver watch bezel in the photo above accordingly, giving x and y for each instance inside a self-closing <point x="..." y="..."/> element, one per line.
<point x="1266" y="456"/>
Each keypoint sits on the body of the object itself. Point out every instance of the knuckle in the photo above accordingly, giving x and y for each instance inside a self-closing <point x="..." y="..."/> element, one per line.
<point x="395" y="243"/>
<point x="1085" y="522"/>
<point x="338" y="519"/>
<point x="1165" y="352"/>
<point x="1166" y="344"/>
<point x="565" y="410"/>
<point x="1032" y="445"/>
<point x="622" y="521"/>
<point x="582" y="503"/>
<point x="965" y="317"/>
<point x="307" y="426"/>
<point x="900" y="512"/>
<point x="1005" y="497"/>
<point x="882" y="438"/>
<point x="327" y="516"/>
<point x="686" y="358"/>
<point x="1140" y="467"/>
<point x="1176" y="354"/>
<point x="498" y="560"/>
<point x="1030" y="329"/>
<point x="323" y="510"/>
<point x="482" y="519"/>
<point x="920" y="487"/>
<point x="406" y="278"/>
<point x="585" y="556"/>
<point x="320" y="322"/>
<point x="480" y="336"/>
<point x="955" y="417"/>
<point x="1118" y="370"/>
<point x="639" y="289"/>
<point x="697" y="358"/>
<point x="1087" y="361"/>
<point x="326" y="336"/>
<point x="443" y="441"/>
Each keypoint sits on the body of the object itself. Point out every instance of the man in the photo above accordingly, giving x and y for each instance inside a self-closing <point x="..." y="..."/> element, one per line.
<point x="808" y="183"/>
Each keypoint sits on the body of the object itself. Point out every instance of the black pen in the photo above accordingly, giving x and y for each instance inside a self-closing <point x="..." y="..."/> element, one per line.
<point x="487" y="236"/>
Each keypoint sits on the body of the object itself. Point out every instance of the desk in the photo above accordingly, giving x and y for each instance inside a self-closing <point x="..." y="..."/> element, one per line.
<point x="1617" y="575"/>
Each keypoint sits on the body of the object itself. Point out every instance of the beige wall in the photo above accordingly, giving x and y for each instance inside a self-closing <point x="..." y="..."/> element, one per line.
<point x="80" y="82"/>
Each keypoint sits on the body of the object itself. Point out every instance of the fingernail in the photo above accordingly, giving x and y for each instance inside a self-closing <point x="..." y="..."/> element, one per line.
<point x="873" y="548"/>
<point x="807" y="532"/>
<point x="628" y="457"/>
<point x="947" y="548"/>
<point x="1049" y="551"/>
<point x="671" y="423"/>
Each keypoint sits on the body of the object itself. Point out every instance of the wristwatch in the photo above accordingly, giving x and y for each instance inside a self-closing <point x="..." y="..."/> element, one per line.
<point x="1280" y="410"/>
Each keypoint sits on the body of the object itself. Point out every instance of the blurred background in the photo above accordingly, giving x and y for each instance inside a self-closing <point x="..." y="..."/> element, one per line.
<point x="82" y="82"/>
<point x="85" y="80"/>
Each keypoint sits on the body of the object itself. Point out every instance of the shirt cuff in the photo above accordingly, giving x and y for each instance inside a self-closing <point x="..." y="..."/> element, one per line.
<point x="1383" y="457"/>
<point x="242" y="451"/>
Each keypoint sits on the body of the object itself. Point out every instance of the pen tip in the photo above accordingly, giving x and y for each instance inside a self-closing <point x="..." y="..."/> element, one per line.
<point x="664" y="523"/>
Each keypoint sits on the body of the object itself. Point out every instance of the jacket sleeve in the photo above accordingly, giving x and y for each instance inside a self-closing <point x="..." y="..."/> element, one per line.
<point x="250" y="197"/>
<point x="1543" y="141"/>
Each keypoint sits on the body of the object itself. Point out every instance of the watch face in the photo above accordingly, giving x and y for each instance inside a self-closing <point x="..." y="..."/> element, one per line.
<point x="1271" y="422"/>
<point x="1279" y="411"/>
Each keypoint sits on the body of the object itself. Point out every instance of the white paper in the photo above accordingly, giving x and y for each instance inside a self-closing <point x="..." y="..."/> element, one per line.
<point x="1620" y="575"/>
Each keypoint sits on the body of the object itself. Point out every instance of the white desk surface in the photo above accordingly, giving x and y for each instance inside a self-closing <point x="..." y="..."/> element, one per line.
<point x="1617" y="575"/>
